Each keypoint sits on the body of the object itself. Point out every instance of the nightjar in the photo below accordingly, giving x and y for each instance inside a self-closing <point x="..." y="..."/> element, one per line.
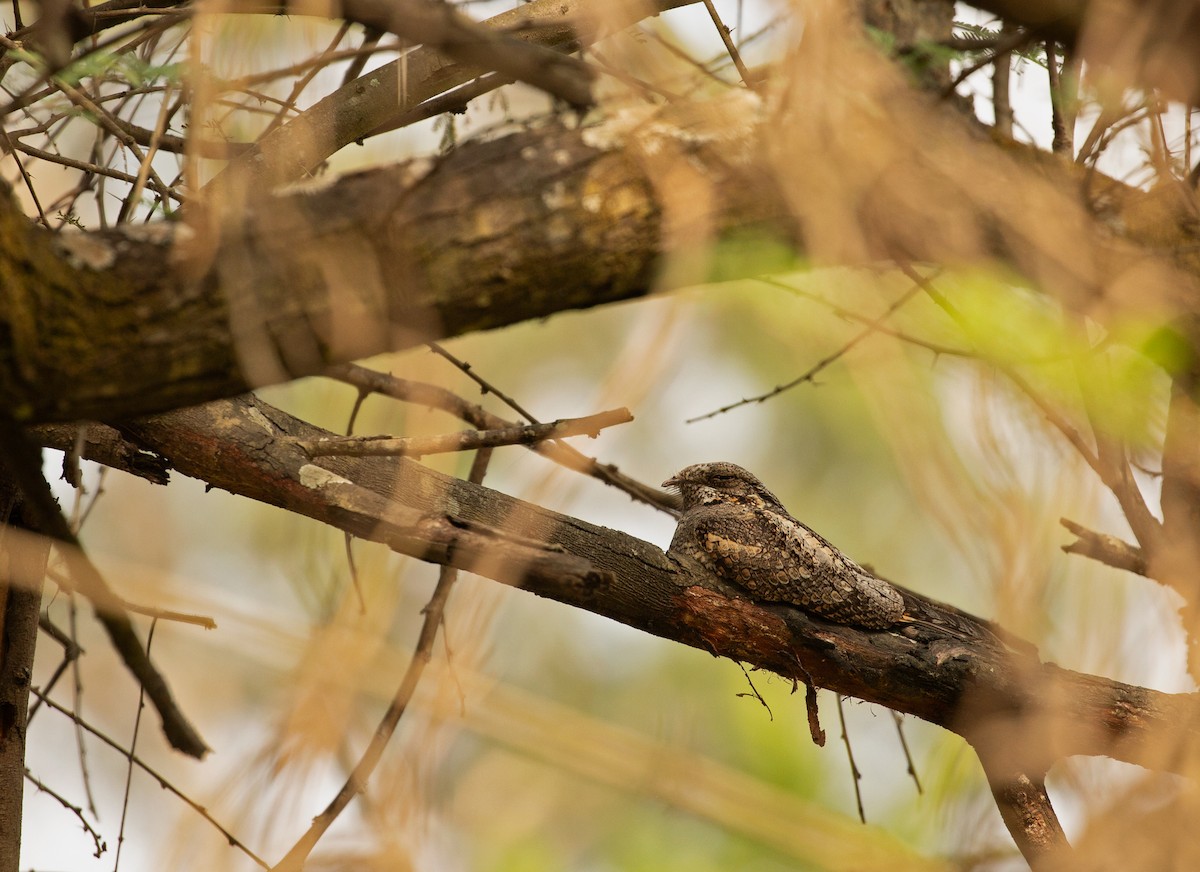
<point x="737" y="529"/>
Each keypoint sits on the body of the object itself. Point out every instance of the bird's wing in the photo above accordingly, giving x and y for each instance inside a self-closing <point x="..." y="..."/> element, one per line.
<point x="778" y="559"/>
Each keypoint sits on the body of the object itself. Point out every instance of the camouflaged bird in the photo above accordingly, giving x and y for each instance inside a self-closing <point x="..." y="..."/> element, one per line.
<point x="737" y="529"/>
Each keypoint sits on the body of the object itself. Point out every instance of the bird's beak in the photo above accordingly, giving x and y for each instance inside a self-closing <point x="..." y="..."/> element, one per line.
<point x="673" y="481"/>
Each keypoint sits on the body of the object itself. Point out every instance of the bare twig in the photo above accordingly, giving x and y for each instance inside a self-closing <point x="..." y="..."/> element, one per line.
<point x="754" y="691"/>
<point x="437" y="397"/>
<point x="485" y="387"/>
<point x="898" y="719"/>
<point x="466" y="440"/>
<point x="734" y="54"/>
<point x="97" y="839"/>
<point x="937" y="348"/>
<point x="1004" y="46"/>
<point x="349" y="539"/>
<point x="137" y="726"/>
<point x="71" y="652"/>
<point x="230" y="838"/>
<point x="1052" y="415"/>
<point x="85" y="771"/>
<point x="816" y="368"/>
<point x="855" y="775"/>
<point x="153" y="612"/>
<point x="24" y="462"/>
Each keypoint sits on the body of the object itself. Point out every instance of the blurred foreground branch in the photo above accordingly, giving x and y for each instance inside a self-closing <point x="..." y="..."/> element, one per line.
<point x="131" y="321"/>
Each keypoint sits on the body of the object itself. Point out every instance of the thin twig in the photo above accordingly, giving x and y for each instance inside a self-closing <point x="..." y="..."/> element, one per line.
<point x="734" y="54"/>
<point x="137" y="726"/>
<point x="317" y="64"/>
<point x="1052" y="415"/>
<point x="898" y="719"/>
<point x="349" y="538"/>
<point x="23" y="461"/>
<point x="754" y="691"/>
<point x="485" y="387"/>
<point x="856" y="776"/>
<point x="821" y="364"/>
<point x="97" y="839"/>
<point x="230" y="838"/>
<point x="850" y="315"/>
<point x="27" y="180"/>
<point x="1004" y="46"/>
<point x="465" y="440"/>
<point x="85" y="771"/>
<point x="157" y="614"/>
<point x="71" y="652"/>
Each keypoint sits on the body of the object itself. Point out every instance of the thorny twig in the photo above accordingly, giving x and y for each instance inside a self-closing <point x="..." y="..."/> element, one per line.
<point x="97" y="839"/>
<point x="234" y="841"/>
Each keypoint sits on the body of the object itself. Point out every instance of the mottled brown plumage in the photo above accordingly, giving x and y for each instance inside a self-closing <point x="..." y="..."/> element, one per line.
<point x="736" y="528"/>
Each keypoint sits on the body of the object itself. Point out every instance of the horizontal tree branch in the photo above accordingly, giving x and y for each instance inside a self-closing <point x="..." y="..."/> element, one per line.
<point x="108" y="324"/>
<point x="981" y="692"/>
<point x="466" y="440"/>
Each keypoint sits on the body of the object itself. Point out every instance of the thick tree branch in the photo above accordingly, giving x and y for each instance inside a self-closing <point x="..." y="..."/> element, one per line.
<point x="980" y="692"/>
<point x="22" y="568"/>
<point x="498" y="232"/>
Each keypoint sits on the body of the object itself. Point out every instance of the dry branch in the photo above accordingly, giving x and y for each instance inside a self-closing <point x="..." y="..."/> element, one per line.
<point x="466" y="440"/>
<point x="1105" y="548"/>
<point x="437" y="397"/>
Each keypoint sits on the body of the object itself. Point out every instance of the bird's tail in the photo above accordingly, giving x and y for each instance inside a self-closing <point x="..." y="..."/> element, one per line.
<point x="946" y="619"/>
